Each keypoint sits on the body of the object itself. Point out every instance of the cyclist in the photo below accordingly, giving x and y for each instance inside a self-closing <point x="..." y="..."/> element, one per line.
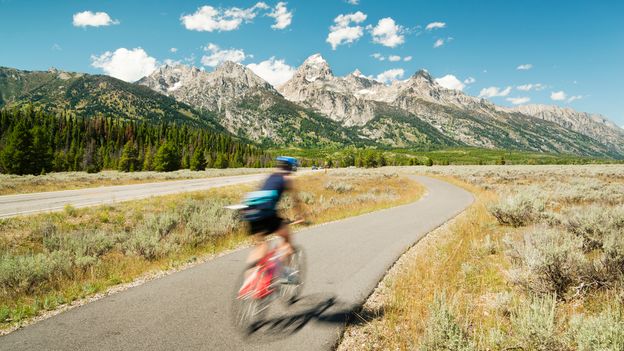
<point x="262" y="214"/>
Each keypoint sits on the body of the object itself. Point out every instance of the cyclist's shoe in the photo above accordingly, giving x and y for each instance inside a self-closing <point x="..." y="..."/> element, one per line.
<point x="289" y="276"/>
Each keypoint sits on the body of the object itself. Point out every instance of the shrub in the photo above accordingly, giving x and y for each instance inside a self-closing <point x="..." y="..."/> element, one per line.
<point x="25" y="273"/>
<point x="604" y="331"/>
<point x="306" y="197"/>
<point x="161" y="224"/>
<point x="144" y="243"/>
<point x="443" y="332"/>
<point x="339" y="187"/>
<point x="211" y="220"/>
<point x="612" y="259"/>
<point x="547" y="261"/>
<point x="533" y="325"/>
<point x="519" y="210"/>
<point x="593" y="223"/>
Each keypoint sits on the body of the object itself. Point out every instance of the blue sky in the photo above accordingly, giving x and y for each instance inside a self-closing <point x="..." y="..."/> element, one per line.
<point x="574" y="49"/>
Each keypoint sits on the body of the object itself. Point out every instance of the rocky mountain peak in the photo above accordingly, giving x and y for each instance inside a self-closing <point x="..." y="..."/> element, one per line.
<point x="423" y="75"/>
<point x="357" y="73"/>
<point x="314" y="68"/>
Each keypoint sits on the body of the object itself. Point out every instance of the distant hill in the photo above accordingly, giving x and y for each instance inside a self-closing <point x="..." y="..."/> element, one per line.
<point x="95" y="95"/>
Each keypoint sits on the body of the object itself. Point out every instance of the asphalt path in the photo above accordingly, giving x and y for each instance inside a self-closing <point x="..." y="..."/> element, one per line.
<point x="24" y="204"/>
<point x="189" y="310"/>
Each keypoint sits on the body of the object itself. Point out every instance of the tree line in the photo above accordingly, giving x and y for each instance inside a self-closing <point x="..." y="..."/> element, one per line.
<point x="36" y="142"/>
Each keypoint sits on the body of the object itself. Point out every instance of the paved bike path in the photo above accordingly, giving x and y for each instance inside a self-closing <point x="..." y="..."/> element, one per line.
<point x="189" y="310"/>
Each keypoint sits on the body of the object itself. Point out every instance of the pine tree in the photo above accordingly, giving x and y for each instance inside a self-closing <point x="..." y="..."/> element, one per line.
<point x="167" y="158"/>
<point x="16" y="154"/>
<point x="148" y="159"/>
<point x="41" y="155"/>
<point x="128" y="160"/>
<point x="221" y="161"/>
<point x="198" y="162"/>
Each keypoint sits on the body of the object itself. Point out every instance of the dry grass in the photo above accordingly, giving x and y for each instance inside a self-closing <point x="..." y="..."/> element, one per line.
<point x="14" y="184"/>
<point x="515" y="271"/>
<point x="52" y="259"/>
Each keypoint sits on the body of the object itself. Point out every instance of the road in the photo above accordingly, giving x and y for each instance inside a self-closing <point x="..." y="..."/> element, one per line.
<point x="23" y="204"/>
<point x="189" y="310"/>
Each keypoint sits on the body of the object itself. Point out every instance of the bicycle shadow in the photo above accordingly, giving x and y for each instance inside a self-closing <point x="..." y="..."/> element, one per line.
<point x="315" y="308"/>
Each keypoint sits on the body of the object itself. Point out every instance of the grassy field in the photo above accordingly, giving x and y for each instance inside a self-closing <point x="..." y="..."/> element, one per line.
<point x="449" y="156"/>
<point x="537" y="263"/>
<point x="15" y="184"/>
<point x="49" y="260"/>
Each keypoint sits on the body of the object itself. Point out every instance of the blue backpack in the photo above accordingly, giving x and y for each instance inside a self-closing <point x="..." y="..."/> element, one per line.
<point x="260" y="205"/>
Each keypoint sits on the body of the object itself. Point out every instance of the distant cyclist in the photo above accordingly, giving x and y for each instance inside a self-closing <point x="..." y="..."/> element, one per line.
<point x="262" y="213"/>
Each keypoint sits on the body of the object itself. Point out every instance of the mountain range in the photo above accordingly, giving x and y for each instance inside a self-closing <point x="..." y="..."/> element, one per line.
<point x="315" y="108"/>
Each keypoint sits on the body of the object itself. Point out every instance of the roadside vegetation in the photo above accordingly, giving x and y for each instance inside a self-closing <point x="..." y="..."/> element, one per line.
<point x="50" y="260"/>
<point x="537" y="263"/>
<point x="15" y="184"/>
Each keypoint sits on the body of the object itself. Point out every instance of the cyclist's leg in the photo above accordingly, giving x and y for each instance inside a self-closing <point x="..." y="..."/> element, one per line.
<point x="258" y="251"/>
<point x="284" y="233"/>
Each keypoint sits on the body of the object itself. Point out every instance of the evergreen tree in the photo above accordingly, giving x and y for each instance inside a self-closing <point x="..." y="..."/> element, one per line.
<point x="148" y="159"/>
<point x="198" y="162"/>
<point x="16" y="155"/>
<point x="221" y="161"/>
<point x="167" y="158"/>
<point x="41" y="152"/>
<point x="128" y="160"/>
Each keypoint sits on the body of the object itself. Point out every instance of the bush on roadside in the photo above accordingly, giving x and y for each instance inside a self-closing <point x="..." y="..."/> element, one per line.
<point x="594" y="223"/>
<point x="340" y="187"/>
<point x="603" y="331"/>
<point x="19" y="274"/>
<point x="533" y="325"/>
<point x="518" y="210"/>
<point x="443" y="331"/>
<point x="547" y="261"/>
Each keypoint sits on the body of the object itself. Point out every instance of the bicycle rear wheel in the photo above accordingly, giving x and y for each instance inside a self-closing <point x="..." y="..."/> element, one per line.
<point x="296" y="269"/>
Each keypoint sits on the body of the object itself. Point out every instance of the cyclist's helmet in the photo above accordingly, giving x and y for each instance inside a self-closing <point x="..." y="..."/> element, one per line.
<point x="287" y="163"/>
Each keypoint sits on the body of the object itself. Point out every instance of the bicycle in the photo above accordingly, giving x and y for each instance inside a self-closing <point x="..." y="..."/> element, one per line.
<point x="273" y="278"/>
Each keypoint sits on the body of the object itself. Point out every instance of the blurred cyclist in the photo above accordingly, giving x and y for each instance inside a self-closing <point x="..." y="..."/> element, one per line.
<point x="262" y="211"/>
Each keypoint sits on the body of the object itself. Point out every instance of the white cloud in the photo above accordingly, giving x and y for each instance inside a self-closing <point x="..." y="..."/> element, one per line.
<point x="217" y="55"/>
<point x="388" y="33"/>
<point x="390" y="75"/>
<point x="209" y="19"/>
<point x="407" y="58"/>
<point x="435" y="25"/>
<point x="529" y="87"/>
<point x="494" y="92"/>
<point x="128" y="65"/>
<point x="93" y="19"/>
<point x="438" y="43"/>
<point x="558" y="95"/>
<point x="353" y="2"/>
<point x="394" y="58"/>
<point x="282" y="16"/>
<point x="174" y="50"/>
<point x="525" y="67"/>
<point x="469" y="80"/>
<point x="449" y="81"/>
<point x="342" y="32"/>
<point x="574" y="98"/>
<point x="378" y="56"/>
<point x="56" y="47"/>
<point x="172" y="63"/>
<point x="518" y="100"/>
<point x="274" y="71"/>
